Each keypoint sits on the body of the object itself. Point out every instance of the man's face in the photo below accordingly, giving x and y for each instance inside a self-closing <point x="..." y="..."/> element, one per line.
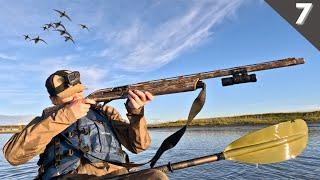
<point x="60" y="101"/>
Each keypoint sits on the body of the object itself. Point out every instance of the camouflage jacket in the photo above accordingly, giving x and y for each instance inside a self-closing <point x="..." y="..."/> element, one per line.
<point x="32" y="140"/>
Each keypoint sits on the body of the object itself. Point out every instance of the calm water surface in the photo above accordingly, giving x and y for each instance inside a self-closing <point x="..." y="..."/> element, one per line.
<point x="204" y="141"/>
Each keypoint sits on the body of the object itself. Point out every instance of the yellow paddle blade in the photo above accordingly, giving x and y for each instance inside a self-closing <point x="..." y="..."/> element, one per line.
<point x="270" y="145"/>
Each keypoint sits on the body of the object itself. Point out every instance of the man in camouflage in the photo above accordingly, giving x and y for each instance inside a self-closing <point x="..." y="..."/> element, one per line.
<point x="70" y="109"/>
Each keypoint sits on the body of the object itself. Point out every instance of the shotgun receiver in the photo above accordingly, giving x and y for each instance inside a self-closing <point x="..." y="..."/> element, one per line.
<point x="193" y="81"/>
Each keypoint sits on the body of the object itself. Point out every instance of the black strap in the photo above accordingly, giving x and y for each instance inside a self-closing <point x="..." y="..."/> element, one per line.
<point x="173" y="139"/>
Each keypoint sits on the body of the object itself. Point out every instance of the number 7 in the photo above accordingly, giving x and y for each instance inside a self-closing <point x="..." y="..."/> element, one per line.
<point x="305" y="12"/>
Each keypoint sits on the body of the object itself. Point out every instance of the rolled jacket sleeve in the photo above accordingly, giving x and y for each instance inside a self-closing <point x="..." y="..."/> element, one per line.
<point x="133" y="135"/>
<point x="33" y="139"/>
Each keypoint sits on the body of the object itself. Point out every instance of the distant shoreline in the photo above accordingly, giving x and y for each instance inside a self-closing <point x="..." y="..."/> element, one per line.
<point x="254" y="119"/>
<point x="242" y="120"/>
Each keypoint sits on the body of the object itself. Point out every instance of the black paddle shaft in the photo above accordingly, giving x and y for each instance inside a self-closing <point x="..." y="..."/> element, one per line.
<point x="176" y="166"/>
<point x="189" y="163"/>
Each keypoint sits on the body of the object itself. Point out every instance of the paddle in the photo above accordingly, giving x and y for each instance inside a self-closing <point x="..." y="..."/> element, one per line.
<point x="273" y="144"/>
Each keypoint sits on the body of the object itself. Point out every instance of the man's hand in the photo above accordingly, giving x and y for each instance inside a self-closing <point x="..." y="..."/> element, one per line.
<point x="80" y="106"/>
<point x="137" y="99"/>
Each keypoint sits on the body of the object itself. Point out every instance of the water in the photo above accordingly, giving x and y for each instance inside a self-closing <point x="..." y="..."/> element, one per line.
<point x="205" y="141"/>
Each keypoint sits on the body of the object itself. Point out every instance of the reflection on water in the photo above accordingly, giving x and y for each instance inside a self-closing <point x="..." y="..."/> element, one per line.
<point x="204" y="141"/>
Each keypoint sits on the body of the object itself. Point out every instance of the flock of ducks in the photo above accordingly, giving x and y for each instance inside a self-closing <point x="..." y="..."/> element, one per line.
<point x="56" y="26"/>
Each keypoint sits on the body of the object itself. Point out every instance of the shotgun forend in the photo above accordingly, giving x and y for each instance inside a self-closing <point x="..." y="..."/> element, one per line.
<point x="193" y="81"/>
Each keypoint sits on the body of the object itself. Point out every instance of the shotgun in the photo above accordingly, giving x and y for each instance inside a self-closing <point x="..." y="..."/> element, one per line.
<point x="192" y="82"/>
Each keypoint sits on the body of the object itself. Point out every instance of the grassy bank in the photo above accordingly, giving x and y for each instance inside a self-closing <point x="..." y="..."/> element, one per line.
<point x="269" y="118"/>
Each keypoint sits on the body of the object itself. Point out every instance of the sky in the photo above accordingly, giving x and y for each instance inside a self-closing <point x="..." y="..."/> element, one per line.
<point x="130" y="42"/>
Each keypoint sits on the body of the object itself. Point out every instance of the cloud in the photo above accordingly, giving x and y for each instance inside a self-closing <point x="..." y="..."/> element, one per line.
<point x="142" y="47"/>
<point x="7" y="57"/>
<point x="90" y="73"/>
<point x="93" y="76"/>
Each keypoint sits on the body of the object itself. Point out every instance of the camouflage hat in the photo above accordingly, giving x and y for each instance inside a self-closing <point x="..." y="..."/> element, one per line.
<point x="64" y="83"/>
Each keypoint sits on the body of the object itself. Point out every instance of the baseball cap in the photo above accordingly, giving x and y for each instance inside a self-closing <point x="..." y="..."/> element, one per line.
<point x="64" y="83"/>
